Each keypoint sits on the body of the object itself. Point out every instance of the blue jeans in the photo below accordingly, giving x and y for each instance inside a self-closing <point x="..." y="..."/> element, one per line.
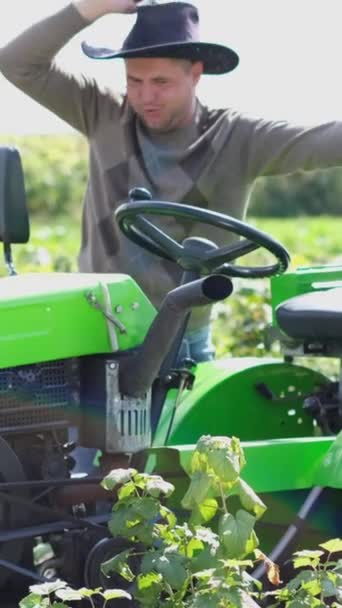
<point x="197" y="345"/>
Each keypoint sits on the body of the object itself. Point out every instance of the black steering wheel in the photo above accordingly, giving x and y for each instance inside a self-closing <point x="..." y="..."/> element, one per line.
<point x="146" y="234"/>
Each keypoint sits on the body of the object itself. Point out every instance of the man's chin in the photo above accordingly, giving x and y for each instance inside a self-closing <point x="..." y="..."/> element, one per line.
<point x="156" y="126"/>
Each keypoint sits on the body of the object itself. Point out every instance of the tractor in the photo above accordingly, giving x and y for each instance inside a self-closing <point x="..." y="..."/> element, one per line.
<point x="88" y="363"/>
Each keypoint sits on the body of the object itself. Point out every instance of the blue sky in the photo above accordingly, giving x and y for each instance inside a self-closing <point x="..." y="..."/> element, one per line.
<point x="290" y="54"/>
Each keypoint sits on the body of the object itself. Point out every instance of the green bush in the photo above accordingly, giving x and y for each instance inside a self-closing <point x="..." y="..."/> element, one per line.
<point x="303" y="193"/>
<point x="55" y="169"/>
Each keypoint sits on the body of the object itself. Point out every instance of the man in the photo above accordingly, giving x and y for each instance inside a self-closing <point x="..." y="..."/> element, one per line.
<point x="158" y="135"/>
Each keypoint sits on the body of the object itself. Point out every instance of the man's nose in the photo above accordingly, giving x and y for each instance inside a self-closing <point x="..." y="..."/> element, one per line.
<point x="148" y="94"/>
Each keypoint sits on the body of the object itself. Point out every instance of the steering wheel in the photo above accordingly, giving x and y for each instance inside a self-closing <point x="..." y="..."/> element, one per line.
<point x="131" y="220"/>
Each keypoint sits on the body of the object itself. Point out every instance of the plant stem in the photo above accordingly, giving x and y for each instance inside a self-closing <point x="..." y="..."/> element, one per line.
<point x="223" y="498"/>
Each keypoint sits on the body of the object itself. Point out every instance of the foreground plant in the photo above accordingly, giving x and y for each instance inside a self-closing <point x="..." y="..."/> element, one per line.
<point x="319" y="581"/>
<point x="56" y="594"/>
<point x="186" y="564"/>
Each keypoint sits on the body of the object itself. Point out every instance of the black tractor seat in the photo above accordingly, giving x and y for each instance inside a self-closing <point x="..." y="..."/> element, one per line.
<point x="315" y="315"/>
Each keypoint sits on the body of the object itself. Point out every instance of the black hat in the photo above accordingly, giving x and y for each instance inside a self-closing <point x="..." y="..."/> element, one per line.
<point x="169" y="30"/>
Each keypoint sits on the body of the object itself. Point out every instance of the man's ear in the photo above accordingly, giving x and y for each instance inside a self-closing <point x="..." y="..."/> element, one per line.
<point x="197" y="71"/>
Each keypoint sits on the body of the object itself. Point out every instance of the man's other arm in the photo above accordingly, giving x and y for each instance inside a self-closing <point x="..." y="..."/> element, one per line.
<point x="278" y="148"/>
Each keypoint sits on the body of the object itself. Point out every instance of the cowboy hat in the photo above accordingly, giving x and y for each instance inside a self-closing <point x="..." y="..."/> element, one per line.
<point x="169" y="30"/>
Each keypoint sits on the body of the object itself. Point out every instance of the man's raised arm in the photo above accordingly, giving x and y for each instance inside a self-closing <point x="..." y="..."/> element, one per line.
<point x="28" y="62"/>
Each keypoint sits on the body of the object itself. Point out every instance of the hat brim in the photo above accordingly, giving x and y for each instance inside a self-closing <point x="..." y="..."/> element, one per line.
<point x="216" y="58"/>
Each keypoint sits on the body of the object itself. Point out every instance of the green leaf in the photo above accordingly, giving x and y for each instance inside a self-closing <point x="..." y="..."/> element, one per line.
<point x="170" y="565"/>
<point x="119" y="564"/>
<point x="332" y="546"/>
<point x="113" y="594"/>
<point x="198" y="490"/>
<point x="249" y="499"/>
<point x="148" y="588"/>
<point x="33" y="600"/>
<point x="116" y="477"/>
<point x="89" y="592"/>
<point x="307" y="558"/>
<point x="146" y="507"/>
<point x="69" y="595"/>
<point x="143" y="533"/>
<point x="329" y="584"/>
<point x="204" y="512"/>
<point x="169" y="516"/>
<point x="226" y="466"/>
<point x="157" y="486"/>
<point x="217" y="451"/>
<point x="47" y="588"/>
<point x="236" y="533"/>
<point x="128" y="489"/>
<point x="301" y="579"/>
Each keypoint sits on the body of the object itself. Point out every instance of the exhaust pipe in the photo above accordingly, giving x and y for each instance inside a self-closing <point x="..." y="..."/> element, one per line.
<point x="138" y="373"/>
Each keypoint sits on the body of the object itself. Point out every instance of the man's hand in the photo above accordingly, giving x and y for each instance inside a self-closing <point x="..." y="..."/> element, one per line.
<point x="94" y="9"/>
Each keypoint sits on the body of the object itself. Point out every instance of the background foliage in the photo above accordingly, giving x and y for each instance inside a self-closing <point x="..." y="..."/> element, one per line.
<point x="56" y="175"/>
<point x="290" y="208"/>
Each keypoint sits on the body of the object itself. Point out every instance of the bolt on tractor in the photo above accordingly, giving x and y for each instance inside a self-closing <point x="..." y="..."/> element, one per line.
<point x="89" y="366"/>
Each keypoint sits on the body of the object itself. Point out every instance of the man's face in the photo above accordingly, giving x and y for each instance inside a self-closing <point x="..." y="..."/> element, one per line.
<point x="162" y="91"/>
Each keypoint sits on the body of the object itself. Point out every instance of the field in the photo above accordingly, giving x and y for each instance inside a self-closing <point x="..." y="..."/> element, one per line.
<point x="239" y="323"/>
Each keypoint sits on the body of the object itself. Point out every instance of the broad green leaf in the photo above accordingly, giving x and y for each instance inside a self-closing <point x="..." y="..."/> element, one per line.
<point x="249" y="499"/>
<point x="168" y="515"/>
<point x="113" y="594"/>
<point x="128" y="489"/>
<point x="313" y="554"/>
<point x="198" y="490"/>
<point x="215" y="450"/>
<point x="116" y="477"/>
<point x="157" y="486"/>
<point x="204" y="512"/>
<point x="305" y="602"/>
<point x="143" y="533"/>
<point x="236" y="533"/>
<point x="329" y="473"/>
<point x="171" y="566"/>
<point x="47" y="588"/>
<point x="226" y="466"/>
<point x="199" y="462"/>
<point x="146" y="507"/>
<point x="33" y="600"/>
<point x="307" y="558"/>
<point x="119" y="564"/>
<point x="329" y="585"/>
<point x="148" y="588"/>
<point x="300" y="579"/>
<point x="334" y="545"/>
<point x="204" y="560"/>
<point x="118" y="523"/>
<point x="193" y="546"/>
<point x="69" y="595"/>
<point x="89" y="592"/>
<point x="252" y="543"/>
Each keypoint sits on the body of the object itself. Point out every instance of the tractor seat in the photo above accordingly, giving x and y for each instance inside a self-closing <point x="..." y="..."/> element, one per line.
<point x="315" y="315"/>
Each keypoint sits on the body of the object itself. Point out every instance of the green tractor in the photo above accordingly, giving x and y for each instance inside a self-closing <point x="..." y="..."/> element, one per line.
<point x="88" y="363"/>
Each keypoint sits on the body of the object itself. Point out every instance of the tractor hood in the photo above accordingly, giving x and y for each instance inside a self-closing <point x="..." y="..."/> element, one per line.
<point x="44" y="316"/>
